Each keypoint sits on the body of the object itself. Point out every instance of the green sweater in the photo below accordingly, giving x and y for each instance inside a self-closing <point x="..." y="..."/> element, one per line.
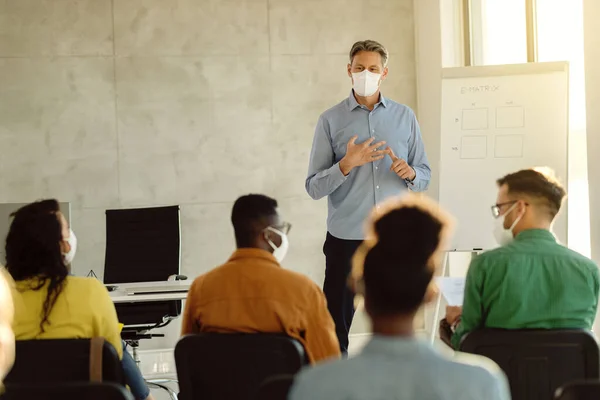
<point x="533" y="282"/>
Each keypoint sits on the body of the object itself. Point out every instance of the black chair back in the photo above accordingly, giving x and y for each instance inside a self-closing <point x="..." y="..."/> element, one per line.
<point x="130" y="233"/>
<point x="67" y="391"/>
<point x="61" y="360"/>
<point x="537" y="362"/>
<point x="581" y="390"/>
<point x="275" y="388"/>
<point x="233" y="366"/>
<point x="142" y="245"/>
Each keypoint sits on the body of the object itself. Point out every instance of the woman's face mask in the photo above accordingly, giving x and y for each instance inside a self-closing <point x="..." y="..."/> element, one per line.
<point x="72" y="240"/>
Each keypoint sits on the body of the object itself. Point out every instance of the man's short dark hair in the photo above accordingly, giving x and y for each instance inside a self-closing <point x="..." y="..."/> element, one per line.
<point x="250" y="215"/>
<point x="537" y="183"/>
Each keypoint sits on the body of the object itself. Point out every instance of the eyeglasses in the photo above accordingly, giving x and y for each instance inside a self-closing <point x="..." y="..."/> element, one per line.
<point x="496" y="207"/>
<point x="285" y="227"/>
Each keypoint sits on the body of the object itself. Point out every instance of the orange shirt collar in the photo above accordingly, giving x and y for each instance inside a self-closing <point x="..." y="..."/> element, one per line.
<point x="246" y="253"/>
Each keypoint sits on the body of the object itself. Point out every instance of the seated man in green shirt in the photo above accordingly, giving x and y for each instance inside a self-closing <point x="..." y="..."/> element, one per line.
<point x="531" y="281"/>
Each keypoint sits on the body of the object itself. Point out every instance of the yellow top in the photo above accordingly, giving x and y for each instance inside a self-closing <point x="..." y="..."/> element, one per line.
<point x="82" y="310"/>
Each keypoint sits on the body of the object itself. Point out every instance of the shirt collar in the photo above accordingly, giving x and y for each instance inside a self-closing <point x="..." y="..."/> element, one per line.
<point x="396" y="345"/>
<point x="249" y="253"/>
<point x="540" y="234"/>
<point x="352" y="103"/>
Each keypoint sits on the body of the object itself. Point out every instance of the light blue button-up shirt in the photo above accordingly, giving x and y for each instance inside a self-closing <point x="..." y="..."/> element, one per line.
<point x="402" y="369"/>
<point x="352" y="197"/>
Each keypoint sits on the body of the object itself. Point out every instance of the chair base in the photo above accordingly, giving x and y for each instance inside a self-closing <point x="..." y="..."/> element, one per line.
<point x="159" y="384"/>
<point x="152" y="383"/>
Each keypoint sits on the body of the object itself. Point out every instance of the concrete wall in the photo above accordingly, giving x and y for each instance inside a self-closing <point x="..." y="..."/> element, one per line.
<point x="127" y="103"/>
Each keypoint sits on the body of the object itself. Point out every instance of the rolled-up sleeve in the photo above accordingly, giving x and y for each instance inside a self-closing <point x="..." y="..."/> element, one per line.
<point x="324" y="174"/>
<point x="417" y="158"/>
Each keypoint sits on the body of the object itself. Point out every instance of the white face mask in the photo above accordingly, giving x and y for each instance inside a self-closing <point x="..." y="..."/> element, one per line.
<point x="502" y="235"/>
<point x="72" y="240"/>
<point x="279" y="252"/>
<point x="366" y="83"/>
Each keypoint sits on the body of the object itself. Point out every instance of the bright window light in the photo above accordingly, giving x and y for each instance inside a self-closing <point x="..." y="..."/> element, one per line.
<point x="499" y="32"/>
<point x="560" y="38"/>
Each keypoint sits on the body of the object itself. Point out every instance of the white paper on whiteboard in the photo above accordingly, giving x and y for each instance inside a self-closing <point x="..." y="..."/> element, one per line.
<point x="452" y="288"/>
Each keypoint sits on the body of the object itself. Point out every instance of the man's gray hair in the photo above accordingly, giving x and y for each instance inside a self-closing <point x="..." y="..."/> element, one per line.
<point x="369" y="45"/>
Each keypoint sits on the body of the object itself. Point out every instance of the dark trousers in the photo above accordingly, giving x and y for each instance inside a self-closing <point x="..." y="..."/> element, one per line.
<point x="340" y="299"/>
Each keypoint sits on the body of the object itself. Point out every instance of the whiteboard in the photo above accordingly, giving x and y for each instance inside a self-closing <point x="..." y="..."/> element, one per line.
<point x="497" y="120"/>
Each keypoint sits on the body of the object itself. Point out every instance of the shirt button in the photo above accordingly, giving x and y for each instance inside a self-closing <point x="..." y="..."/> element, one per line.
<point x="373" y="131"/>
<point x="377" y="187"/>
<point x="376" y="167"/>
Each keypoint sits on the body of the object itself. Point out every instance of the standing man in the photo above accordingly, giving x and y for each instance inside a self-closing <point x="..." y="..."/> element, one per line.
<point x="365" y="149"/>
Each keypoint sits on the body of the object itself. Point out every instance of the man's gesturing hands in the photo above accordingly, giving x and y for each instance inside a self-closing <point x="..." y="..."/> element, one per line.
<point x="361" y="154"/>
<point x="366" y="152"/>
<point x="400" y="167"/>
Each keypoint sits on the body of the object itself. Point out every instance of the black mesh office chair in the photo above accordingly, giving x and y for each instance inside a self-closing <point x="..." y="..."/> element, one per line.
<point x="580" y="390"/>
<point x="64" y="360"/>
<point x="275" y="388"/>
<point x="537" y="362"/>
<point x="232" y="366"/>
<point x="143" y="245"/>
<point x="67" y="391"/>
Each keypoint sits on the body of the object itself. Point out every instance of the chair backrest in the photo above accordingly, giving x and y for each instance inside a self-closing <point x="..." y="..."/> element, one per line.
<point x="62" y="360"/>
<point x="142" y="245"/>
<point x="227" y="366"/>
<point x="275" y="388"/>
<point x="581" y="390"/>
<point x="537" y="362"/>
<point x="67" y="391"/>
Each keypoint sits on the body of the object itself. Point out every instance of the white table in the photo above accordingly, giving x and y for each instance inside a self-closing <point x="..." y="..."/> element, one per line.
<point x="149" y="291"/>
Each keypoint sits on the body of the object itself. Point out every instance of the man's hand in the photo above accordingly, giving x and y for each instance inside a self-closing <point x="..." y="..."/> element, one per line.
<point x="453" y="314"/>
<point x="401" y="167"/>
<point x="360" y="154"/>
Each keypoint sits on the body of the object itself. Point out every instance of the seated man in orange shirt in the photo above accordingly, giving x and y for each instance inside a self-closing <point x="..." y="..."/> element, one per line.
<point x="252" y="293"/>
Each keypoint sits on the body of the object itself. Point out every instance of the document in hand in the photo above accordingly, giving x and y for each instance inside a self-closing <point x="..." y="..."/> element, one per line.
<point x="452" y="288"/>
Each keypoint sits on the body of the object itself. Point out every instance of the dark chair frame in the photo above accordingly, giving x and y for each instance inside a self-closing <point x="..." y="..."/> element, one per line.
<point x="69" y="362"/>
<point x="67" y="391"/>
<point x="221" y="354"/>
<point x="529" y="357"/>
